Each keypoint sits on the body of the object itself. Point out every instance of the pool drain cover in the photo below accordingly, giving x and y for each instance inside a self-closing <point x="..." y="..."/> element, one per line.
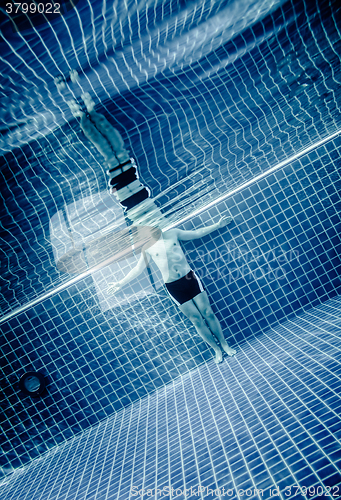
<point x="32" y="384"/>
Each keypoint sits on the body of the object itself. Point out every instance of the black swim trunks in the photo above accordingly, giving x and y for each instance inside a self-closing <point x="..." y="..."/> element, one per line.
<point x="185" y="288"/>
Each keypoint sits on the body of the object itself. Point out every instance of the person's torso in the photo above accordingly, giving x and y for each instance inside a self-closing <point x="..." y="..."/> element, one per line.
<point x="169" y="257"/>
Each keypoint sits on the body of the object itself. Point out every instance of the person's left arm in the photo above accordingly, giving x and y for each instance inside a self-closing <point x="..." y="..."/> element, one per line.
<point x="203" y="231"/>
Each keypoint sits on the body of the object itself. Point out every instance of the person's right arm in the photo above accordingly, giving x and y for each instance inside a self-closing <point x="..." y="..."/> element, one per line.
<point x="134" y="273"/>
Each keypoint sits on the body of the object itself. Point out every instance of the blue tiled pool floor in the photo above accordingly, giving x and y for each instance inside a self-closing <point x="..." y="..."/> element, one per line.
<point x="268" y="418"/>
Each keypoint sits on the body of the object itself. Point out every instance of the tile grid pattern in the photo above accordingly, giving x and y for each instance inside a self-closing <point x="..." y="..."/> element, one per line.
<point x="281" y="255"/>
<point x="268" y="418"/>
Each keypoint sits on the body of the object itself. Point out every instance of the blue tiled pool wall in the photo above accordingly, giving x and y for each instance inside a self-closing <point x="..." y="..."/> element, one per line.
<point x="280" y="254"/>
<point x="282" y="251"/>
<point x="240" y="109"/>
<point x="268" y="418"/>
<point x="82" y="350"/>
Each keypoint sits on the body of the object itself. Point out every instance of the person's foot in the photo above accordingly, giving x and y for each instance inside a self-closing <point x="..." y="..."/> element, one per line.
<point x="229" y="351"/>
<point x="89" y="103"/>
<point x="76" y="109"/>
<point x="74" y="76"/>
<point x="60" y="83"/>
<point x="218" y="356"/>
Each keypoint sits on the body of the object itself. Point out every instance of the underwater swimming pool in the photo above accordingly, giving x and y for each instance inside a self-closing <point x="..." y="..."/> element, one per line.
<point x="228" y="108"/>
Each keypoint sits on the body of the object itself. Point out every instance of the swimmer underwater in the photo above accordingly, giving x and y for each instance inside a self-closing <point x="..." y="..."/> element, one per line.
<point x="183" y="286"/>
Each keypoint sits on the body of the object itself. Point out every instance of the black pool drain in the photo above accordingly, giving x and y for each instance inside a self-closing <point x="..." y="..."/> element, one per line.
<point x="32" y="384"/>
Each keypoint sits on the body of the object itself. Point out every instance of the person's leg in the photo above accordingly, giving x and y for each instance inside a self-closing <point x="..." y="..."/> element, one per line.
<point x="100" y="132"/>
<point x="191" y="311"/>
<point x="203" y="304"/>
<point x="95" y="126"/>
<point x="112" y="135"/>
<point x="95" y="136"/>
